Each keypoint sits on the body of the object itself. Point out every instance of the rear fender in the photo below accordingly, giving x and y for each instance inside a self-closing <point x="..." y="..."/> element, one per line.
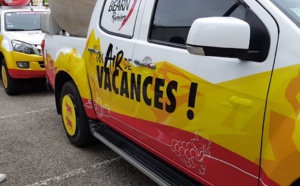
<point x="70" y="66"/>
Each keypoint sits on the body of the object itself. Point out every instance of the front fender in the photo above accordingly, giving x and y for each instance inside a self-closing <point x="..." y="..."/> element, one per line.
<point x="8" y="58"/>
<point x="6" y="50"/>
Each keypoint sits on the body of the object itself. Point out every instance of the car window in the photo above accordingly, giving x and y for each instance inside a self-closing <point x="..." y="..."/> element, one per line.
<point x="173" y="18"/>
<point x="117" y="18"/>
<point x="290" y="8"/>
<point x="22" y="21"/>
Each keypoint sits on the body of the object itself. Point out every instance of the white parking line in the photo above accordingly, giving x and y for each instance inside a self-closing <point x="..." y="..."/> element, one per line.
<point x="74" y="173"/>
<point x="25" y="113"/>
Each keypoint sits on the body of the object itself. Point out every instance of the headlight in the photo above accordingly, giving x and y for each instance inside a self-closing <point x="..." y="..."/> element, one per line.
<point x="22" y="47"/>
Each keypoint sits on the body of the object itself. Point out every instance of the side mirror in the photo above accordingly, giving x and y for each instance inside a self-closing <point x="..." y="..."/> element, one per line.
<point x="220" y="37"/>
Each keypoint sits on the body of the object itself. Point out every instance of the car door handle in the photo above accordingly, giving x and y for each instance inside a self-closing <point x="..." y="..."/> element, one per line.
<point x="145" y="64"/>
<point x="93" y="50"/>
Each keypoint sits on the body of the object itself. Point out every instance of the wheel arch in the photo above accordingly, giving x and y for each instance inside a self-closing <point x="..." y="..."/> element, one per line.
<point x="61" y="78"/>
<point x="295" y="183"/>
<point x="81" y="82"/>
<point x="7" y="56"/>
<point x="1" y="58"/>
<point x="281" y="172"/>
<point x="71" y="66"/>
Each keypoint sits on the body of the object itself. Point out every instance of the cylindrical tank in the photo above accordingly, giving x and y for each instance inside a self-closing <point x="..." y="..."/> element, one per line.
<point x="72" y="15"/>
<point x="15" y="2"/>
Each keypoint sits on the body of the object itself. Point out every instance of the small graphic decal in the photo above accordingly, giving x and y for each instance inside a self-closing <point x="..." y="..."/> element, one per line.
<point x="69" y="109"/>
<point x="120" y="10"/>
<point x="192" y="152"/>
<point x="129" y="14"/>
<point x="69" y="123"/>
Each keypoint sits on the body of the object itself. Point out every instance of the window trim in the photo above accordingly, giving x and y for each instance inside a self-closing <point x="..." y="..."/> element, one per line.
<point x="113" y="33"/>
<point x="16" y="12"/>
<point x="183" y="46"/>
<point x="155" y="41"/>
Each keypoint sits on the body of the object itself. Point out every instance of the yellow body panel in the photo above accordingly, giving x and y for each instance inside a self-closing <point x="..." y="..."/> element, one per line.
<point x="12" y="57"/>
<point x="240" y="117"/>
<point x="74" y="65"/>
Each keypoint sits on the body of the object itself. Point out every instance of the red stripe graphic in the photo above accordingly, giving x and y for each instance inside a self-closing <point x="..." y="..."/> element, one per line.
<point x="129" y="14"/>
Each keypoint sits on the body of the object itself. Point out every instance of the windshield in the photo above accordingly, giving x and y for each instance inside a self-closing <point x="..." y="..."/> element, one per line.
<point x="291" y="8"/>
<point x="22" y="21"/>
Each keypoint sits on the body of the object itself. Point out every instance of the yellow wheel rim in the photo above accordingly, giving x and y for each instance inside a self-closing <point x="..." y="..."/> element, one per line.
<point x="4" y="77"/>
<point x="69" y="115"/>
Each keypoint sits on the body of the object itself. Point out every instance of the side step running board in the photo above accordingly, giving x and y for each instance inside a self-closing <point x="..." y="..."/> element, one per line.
<point x="153" y="167"/>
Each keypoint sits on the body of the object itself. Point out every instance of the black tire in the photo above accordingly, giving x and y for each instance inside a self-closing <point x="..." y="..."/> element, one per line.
<point x="73" y="115"/>
<point x="11" y="86"/>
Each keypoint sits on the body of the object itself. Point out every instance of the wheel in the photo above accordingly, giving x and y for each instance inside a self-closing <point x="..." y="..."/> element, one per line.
<point x="11" y="86"/>
<point x="74" y="117"/>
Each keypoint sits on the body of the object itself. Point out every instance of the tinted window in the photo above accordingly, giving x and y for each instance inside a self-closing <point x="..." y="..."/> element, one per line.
<point x="22" y="21"/>
<point x="118" y="17"/>
<point x="173" y="18"/>
<point x="291" y="8"/>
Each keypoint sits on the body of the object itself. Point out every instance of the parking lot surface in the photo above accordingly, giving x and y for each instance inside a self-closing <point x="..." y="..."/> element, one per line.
<point x="35" y="151"/>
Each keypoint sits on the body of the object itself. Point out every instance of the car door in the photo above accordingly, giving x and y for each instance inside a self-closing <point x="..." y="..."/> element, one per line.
<point x="203" y="114"/>
<point x="108" y="55"/>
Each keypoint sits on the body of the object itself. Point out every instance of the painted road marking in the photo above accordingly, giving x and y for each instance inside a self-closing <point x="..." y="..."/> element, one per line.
<point x="25" y="113"/>
<point x="74" y="173"/>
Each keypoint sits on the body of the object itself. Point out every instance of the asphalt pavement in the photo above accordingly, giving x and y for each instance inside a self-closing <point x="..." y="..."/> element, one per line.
<point x="34" y="149"/>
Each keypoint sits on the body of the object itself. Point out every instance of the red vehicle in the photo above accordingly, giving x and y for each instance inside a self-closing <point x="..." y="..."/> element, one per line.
<point x="15" y="2"/>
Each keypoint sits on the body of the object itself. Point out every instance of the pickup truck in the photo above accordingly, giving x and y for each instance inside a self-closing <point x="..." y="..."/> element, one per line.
<point x="190" y="92"/>
<point x="20" y="46"/>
